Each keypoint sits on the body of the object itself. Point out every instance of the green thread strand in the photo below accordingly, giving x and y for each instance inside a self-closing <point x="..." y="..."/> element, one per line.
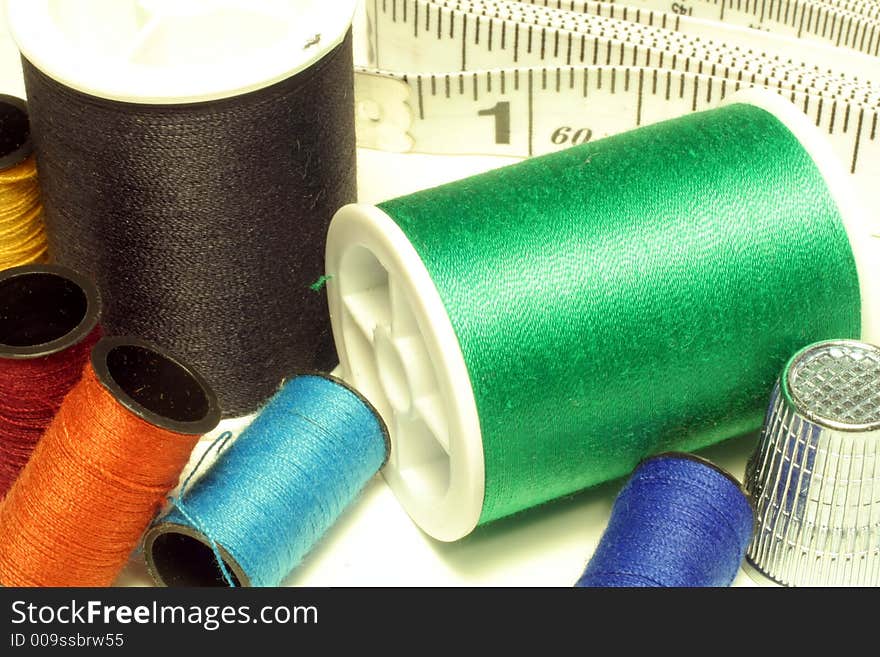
<point x="632" y="295"/>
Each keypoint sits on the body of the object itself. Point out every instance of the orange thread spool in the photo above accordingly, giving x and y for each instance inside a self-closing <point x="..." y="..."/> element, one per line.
<point x="22" y="234"/>
<point x="103" y="468"/>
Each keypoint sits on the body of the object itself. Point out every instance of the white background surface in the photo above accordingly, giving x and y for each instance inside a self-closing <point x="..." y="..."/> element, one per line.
<point x="375" y="543"/>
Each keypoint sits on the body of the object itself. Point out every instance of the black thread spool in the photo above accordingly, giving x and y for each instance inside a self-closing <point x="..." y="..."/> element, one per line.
<point x="195" y="177"/>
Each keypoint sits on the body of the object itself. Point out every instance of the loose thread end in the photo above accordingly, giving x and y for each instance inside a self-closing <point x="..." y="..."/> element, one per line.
<point x="177" y="502"/>
<point x="319" y="284"/>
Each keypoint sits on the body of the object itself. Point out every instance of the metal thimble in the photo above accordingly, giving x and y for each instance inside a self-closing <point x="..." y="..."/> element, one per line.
<point x="815" y="475"/>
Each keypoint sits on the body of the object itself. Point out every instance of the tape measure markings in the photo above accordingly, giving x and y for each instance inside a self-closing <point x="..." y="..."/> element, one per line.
<point x="678" y="93"/>
<point x="534" y="82"/>
<point x="868" y="9"/>
<point x="430" y="58"/>
<point x="800" y="18"/>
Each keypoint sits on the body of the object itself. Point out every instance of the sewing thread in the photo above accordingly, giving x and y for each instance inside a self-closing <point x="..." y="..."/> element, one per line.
<point x="274" y="492"/>
<point x="22" y="234"/>
<point x="103" y="468"/>
<point x="48" y="325"/>
<point x="624" y="297"/>
<point x="679" y="521"/>
<point x="204" y="223"/>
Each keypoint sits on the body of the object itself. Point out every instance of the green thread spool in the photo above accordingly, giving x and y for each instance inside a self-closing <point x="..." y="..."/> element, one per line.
<point x="539" y="329"/>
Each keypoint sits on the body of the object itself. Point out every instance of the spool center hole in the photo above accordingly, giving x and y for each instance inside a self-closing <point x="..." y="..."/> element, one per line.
<point x="157" y="383"/>
<point x="182" y="560"/>
<point x="38" y="308"/>
<point x="392" y="373"/>
<point x="14" y="128"/>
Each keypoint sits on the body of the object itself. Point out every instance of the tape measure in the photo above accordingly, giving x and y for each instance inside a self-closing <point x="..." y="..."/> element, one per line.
<point x="838" y="22"/>
<point x="523" y="78"/>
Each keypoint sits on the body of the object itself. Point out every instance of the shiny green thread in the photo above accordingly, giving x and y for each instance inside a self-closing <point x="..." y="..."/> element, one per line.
<point x="633" y="295"/>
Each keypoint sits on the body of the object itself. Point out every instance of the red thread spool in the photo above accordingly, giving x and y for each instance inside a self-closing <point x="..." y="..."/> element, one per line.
<point x="48" y="325"/>
<point x="104" y="467"/>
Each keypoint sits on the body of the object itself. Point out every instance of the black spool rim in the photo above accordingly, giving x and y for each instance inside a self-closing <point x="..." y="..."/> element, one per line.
<point x="386" y="436"/>
<point x="161" y="575"/>
<point x="25" y="147"/>
<point x="77" y="334"/>
<point x="196" y="427"/>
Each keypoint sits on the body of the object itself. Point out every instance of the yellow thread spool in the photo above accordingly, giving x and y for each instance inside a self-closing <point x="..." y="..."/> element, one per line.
<point x="22" y="235"/>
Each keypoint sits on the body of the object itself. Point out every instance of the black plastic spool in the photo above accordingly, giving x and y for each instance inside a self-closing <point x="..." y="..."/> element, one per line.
<point x="155" y="386"/>
<point x="180" y="555"/>
<point x="15" y="132"/>
<point x="45" y="309"/>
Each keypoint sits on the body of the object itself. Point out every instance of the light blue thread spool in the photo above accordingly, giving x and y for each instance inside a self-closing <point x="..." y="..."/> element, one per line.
<point x="679" y="521"/>
<point x="274" y="492"/>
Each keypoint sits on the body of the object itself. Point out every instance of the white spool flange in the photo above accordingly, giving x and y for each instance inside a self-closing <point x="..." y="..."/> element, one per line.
<point x="397" y="345"/>
<point x="175" y="51"/>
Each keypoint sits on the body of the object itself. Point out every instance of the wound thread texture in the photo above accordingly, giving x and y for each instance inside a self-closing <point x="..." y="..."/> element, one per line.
<point x="678" y="521"/>
<point x="91" y="488"/>
<point x="204" y="224"/>
<point x="632" y="295"/>
<point x="274" y="492"/>
<point x="22" y="234"/>
<point x="31" y="392"/>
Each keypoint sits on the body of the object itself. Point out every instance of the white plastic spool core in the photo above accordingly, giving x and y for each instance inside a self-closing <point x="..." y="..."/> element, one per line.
<point x="175" y="51"/>
<point x="397" y="346"/>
